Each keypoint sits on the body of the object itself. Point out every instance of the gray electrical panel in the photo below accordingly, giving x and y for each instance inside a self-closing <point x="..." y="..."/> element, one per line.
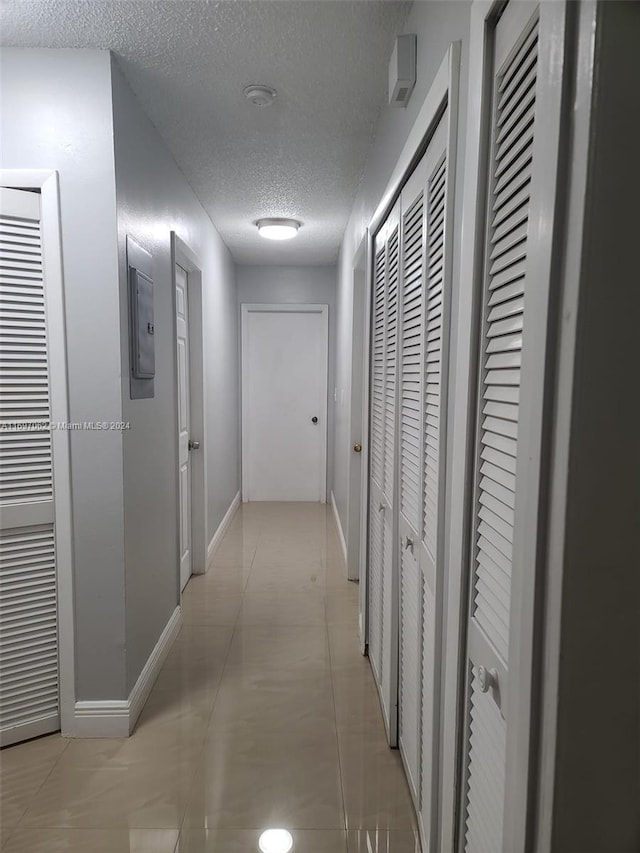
<point x="141" y="323"/>
<point x="141" y="288"/>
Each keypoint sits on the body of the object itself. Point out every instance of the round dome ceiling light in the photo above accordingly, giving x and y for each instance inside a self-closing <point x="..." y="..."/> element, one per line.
<point x="260" y="95"/>
<point x="278" y="229"/>
<point x="275" y="841"/>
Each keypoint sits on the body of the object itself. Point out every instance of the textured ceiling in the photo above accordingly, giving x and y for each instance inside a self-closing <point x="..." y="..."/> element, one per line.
<point x="188" y="63"/>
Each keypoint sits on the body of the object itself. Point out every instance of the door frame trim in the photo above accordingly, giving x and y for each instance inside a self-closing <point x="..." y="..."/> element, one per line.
<point x="183" y="256"/>
<point x="247" y="308"/>
<point x="47" y="182"/>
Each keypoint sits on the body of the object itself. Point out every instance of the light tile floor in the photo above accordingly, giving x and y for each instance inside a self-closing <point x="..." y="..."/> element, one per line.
<point x="264" y="715"/>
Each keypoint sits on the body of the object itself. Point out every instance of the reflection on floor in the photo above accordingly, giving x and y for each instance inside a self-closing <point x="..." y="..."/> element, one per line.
<point x="264" y="715"/>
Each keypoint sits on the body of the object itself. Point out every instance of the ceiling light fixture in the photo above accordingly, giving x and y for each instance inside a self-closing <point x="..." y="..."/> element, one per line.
<point x="275" y="841"/>
<point x="278" y="229"/>
<point x="260" y="95"/>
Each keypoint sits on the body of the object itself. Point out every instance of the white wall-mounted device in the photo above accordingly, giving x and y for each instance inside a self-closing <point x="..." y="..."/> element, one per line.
<point x="141" y="322"/>
<point x="402" y="70"/>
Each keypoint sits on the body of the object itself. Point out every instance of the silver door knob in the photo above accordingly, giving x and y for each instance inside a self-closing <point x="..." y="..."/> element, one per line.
<point x="380" y="507"/>
<point x="487" y="679"/>
<point x="194" y="445"/>
<point x="357" y="448"/>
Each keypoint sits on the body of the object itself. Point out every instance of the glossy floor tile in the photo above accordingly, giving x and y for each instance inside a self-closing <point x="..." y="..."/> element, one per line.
<point x="265" y="714"/>
<point x="92" y="841"/>
<point x="246" y="841"/>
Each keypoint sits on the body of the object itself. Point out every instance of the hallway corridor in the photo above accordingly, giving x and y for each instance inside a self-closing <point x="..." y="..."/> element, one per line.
<point x="264" y="715"/>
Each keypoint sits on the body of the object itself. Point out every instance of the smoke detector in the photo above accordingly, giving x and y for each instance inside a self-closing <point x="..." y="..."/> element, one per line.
<point x="260" y="95"/>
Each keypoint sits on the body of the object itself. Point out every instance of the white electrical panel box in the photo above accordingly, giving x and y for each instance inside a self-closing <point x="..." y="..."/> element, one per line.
<point x="402" y="70"/>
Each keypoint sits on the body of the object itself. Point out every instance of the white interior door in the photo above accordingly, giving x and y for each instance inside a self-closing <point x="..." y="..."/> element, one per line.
<point x="507" y="508"/>
<point x="382" y="581"/>
<point x="354" y="509"/>
<point x="29" y="693"/>
<point x="184" y="410"/>
<point x="284" y="394"/>
<point x="424" y="324"/>
<point x="514" y="78"/>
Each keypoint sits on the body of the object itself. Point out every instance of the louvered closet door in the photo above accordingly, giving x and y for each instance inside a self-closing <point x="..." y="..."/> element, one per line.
<point x="500" y="473"/>
<point x="376" y="460"/>
<point x="28" y="606"/>
<point x="423" y="335"/>
<point x="382" y="526"/>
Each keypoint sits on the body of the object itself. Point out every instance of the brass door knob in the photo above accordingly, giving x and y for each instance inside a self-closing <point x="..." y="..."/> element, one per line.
<point x="357" y="448"/>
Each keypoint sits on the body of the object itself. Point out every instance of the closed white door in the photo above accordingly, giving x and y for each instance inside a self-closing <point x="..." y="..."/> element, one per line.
<point x="354" y="508"/>
<point x="382" y="581"/>
<point x="29" y="693"/>
<point x="424" y="324"/>
<point x="184" y="464"/>
<point x="284" y="396"/>
<point x="507" y="511"/>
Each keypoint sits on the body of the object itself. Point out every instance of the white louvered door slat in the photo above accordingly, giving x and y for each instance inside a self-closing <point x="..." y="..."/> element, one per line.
<point x="377" y="362"/>
<point x="391" y="358"/>
<point x="500" y="389"/>
<point x="377" y="459"/>
<point x="29" y="702"/>
<point x="383" y="415"/>
<point x="389" y="675"/>
<point x="437" y="283"/>
<point x="410" y="479"/>
<point x="423" y="340"/>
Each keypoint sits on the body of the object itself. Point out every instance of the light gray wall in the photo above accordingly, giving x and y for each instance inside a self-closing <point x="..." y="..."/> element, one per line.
<point x="153" y="199"/>
<point x="56" y="114"/>
<point x="436" y="25"/>
<point x="265" y="284"/>
<point x="60" y="110"/>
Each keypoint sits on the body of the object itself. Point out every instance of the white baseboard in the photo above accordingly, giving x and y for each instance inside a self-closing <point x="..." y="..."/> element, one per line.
<point x="152" y="667"/>
<point x="117" y="718"/>
<point x="343" y="542"/>
<point x="222" y="528"/>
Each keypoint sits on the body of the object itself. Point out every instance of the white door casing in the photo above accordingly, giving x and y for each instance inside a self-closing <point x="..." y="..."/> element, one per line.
<point x="284" y="402"/>
<point x="29" y="670"/>
<point x="184" y="417"/>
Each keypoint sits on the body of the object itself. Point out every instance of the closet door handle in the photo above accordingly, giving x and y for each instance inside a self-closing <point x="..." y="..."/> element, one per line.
<point x="488" y="679"/>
